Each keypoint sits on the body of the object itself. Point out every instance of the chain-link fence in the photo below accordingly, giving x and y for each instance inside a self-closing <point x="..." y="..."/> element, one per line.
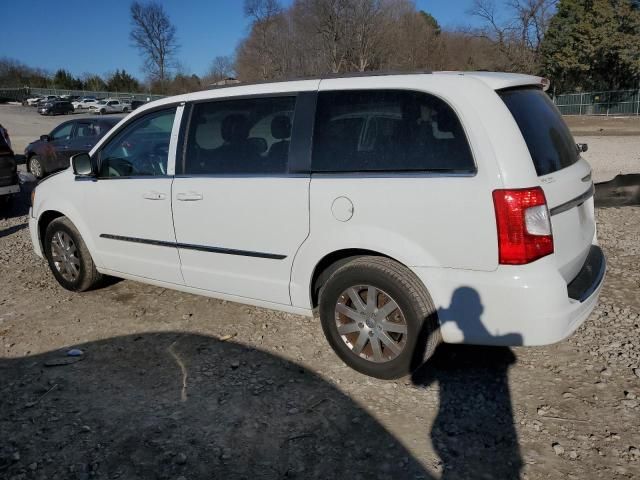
<point x="21" y="94"/>
<point x="619" y="102"/>
<point x="95" y="93"/>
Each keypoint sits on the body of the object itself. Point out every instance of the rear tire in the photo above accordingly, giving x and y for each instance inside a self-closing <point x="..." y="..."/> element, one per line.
<point x="383" y="343"/>
<point x="68" y="257"/>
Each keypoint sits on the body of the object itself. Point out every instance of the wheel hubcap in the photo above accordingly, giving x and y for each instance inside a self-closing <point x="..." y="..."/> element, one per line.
<point x="65" y="256"/>
<point x="371" y="323"/>
<point x="35" y="167"/>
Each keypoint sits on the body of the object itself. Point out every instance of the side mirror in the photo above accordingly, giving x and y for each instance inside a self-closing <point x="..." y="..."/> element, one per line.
<point x="45" y="138"/>
<point x="582" y="147"/>
<point x="81" y="164"/>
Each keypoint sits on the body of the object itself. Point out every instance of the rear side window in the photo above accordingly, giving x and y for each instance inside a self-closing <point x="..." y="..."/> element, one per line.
<point x="387" y="130"/>
<point x="245" y="136"/>
<point x="548" y="138"/>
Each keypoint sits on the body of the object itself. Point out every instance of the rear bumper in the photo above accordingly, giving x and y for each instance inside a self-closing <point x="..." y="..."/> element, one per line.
<point x="9" y="190"/>
<point x="514" y="305"/>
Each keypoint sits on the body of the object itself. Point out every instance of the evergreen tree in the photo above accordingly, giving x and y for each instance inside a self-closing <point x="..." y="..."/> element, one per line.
<point x="121" y="81"/>
<point x="593" y="44"/>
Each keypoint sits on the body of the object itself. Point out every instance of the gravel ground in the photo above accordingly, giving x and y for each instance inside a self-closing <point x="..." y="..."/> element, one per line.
<point x="175" y="386"/>
<point x="612" y="155"/>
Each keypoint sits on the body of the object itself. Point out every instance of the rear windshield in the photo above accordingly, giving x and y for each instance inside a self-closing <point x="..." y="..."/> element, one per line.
<point x="548" y="138"/>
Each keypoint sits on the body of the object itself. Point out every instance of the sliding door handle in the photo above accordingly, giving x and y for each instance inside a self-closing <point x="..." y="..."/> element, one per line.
<point x="154" y="196"/>
<point x="189" y="197"/>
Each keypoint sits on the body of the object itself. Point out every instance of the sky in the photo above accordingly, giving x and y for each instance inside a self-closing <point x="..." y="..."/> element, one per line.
<point x="90" y="36"/>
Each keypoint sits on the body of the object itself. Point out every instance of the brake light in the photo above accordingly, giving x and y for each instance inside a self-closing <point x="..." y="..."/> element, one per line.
<point x="524" y="226"/>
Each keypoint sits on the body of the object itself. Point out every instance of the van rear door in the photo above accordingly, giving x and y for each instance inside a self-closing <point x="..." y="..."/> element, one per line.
<point x="564" y="176"/>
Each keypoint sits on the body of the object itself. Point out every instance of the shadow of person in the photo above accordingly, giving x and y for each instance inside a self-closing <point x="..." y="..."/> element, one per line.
<point x="173" y="405"/>
<point x="473" y="433"/>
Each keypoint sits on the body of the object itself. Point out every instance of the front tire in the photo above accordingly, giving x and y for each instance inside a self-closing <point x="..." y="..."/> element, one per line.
<point x="68" y="257"/>
<point x="36" y="168"/>
<point x="378" y="317"/>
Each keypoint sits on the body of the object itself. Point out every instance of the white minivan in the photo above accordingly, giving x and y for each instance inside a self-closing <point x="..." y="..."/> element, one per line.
<point x="408" y="209"/>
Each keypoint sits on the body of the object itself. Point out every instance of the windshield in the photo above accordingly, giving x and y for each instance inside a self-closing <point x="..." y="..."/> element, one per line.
<point x="548" y="138"/>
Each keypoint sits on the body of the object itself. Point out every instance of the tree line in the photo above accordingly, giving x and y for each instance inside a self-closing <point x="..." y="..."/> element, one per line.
<point x="578" y="44"/>
<point x="16" y="74"/>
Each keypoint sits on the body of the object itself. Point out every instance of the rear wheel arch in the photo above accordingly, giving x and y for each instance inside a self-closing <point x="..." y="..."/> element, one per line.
<point x="331" y="262"/>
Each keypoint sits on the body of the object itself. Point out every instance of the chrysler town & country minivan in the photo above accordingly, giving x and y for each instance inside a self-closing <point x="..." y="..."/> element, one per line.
<point x="407" y="209"/>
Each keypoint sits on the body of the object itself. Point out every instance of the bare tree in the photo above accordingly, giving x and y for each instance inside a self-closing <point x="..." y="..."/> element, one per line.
<point x="154" y="36"/>
<point x="221" y="68"/>
<point x="264" y="15"/>
<point x="517" y="33"/>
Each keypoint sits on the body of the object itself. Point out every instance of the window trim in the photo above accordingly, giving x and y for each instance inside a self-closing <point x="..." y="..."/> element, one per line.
<point x="97" y="157"/>
<point x="471" y="172"/>
<point x="302" y="160"/>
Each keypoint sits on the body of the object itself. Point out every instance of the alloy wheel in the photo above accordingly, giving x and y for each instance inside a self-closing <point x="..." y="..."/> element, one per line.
<point x="64" y="254"/>
<point x="35" y="167"/>
<point x="371" y="323"/>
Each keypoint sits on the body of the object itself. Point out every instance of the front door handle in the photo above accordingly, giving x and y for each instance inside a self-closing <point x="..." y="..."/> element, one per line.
<point x="189" y="197"/>
<point x="154" y="196"/>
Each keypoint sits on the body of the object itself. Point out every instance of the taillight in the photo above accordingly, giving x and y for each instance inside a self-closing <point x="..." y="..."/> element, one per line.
<point x="524" y="226"/>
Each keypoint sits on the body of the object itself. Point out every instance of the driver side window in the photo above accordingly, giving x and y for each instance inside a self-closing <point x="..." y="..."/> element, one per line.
<point x="141" y="149"/>
<point x="63" y="132"/>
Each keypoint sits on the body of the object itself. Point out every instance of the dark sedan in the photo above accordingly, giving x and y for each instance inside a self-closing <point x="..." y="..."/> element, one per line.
<point x="8" y="172"/>
<point x="58" y="107"/>
<point x="53" y="151"/>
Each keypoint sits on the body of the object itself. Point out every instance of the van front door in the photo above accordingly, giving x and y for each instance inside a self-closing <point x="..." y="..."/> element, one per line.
<point x="129" y="207"/>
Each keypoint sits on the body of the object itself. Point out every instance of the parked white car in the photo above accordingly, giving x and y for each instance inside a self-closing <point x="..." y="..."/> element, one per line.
<point x="84" y="103"/>
<point x="110" y="105"/>
<point x="40" y="100"/>
<point x="33" y="101"/>
<point x="407" y="209"/>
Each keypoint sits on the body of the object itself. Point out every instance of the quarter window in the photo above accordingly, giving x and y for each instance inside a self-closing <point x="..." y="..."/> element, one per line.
<point x="248" y="136"/>
<point x="141" y="149"/>
<point x="387" y="130"/>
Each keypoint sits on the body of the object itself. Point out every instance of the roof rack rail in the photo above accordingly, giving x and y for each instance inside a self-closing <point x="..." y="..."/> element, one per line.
<point x="326" y="76"/>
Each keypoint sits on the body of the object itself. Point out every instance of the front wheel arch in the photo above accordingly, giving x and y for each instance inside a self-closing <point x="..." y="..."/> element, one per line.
<point x="43" y="222"/>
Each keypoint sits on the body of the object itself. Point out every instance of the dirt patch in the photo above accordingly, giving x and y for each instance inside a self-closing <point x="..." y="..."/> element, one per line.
<point x="622" y="191"/>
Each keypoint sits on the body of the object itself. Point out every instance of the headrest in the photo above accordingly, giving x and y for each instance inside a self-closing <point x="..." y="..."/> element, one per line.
<point x="280" y="127"/>
<point x="235" y="128"/>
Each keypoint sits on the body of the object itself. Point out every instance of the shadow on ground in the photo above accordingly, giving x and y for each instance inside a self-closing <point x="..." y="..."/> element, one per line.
<point x="622" y="191"/>
<point x="473" y="433"/>
<point x="168" y="405"/>
<point x="19" y="203"/>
